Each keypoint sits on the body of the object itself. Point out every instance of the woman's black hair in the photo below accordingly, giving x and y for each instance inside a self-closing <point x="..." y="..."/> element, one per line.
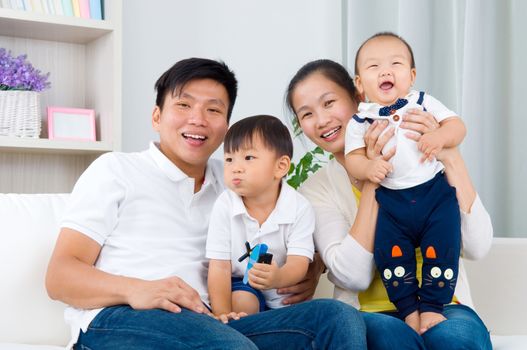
<point x="175" y="78"/>
<point x="331" y="70"/>
<point x="273" y="133"/>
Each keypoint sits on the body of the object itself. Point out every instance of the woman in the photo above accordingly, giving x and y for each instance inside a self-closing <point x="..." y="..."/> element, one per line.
<point x="323" y="98"/>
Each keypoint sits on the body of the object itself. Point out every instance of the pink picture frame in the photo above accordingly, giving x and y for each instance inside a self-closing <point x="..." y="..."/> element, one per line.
<point x="71" y="124"/>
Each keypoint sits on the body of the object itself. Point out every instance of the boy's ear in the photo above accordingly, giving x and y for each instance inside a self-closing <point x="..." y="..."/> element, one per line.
<point x="282" y="166"/>
<point x="156" y="118"/>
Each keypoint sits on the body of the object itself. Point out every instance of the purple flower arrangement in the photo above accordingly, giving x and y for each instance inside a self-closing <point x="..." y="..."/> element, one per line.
<point x="18" y="74"/>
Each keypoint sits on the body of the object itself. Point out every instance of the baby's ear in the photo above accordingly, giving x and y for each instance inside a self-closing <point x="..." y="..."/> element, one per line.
<point x="358" y="84"/>
<point x="413" y="73"/>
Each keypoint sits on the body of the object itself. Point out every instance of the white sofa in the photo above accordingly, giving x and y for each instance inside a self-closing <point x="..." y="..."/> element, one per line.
<point x="30" y="320"/>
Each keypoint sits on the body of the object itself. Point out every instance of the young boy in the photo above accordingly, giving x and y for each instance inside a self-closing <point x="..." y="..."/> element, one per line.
<point x="258" y="207"/>
<point x="417" y="207"/>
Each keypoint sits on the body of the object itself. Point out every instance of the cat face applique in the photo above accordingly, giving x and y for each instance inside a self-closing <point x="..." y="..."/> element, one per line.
<point x="396" y="275"/>
<point x="437" y="275"/>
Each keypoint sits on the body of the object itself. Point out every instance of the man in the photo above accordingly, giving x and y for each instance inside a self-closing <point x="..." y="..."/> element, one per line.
<point x="130" y="257"/>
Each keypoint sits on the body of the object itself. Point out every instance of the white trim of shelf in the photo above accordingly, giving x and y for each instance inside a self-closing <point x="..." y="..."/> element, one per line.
<point x="34" y="25"/>
<point x="15" y="144"/>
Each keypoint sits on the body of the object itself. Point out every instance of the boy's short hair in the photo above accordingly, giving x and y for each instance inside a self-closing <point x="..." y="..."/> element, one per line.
<point x="182" y="72"/>
<point x="273" y="133"/>
<point x="390" y="34"/>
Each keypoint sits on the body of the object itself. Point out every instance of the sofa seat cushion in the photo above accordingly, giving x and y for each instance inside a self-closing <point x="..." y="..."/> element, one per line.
<point x="11" y="346"/>
<point x="509" y="342"/>
<point x="29" y="229"/>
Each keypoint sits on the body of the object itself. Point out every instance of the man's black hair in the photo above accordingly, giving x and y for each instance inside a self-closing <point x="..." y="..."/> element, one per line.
<point x="184" y="71"/>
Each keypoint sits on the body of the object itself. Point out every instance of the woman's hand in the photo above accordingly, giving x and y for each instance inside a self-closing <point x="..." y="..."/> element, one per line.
<point x="419" y="123"/>
<point x="306" y="288"/>
<point x="375" y="142"/>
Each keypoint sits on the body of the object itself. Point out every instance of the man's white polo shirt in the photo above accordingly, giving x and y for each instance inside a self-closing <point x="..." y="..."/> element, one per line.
<point x="144" y="213"/>
<point x="287" y="231"/>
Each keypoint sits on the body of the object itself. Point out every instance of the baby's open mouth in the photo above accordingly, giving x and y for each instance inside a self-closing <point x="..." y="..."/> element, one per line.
<point x="387" y="85"/>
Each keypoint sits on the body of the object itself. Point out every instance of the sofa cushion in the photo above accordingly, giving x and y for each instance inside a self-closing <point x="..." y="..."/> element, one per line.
<point x="509" y="342"/>
<point x="497" y="284"/>
<point x="29" y="228"/>
<point x="11" y="346"/>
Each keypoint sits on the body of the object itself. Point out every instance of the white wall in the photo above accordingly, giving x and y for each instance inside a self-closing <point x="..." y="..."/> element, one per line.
<point x="264" y="42"/>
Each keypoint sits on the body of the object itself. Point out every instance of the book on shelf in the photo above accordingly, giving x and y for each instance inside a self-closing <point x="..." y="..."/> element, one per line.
<point x="57" y="4"/>
<point x="96" y="9"/>
<point x="45" y="6"/>
<point x="17" y="5"/>
<point x="76" y="8"/>
<point x="36" y="5"/>
<point x="51" y="6"/>
<point x="67" y="7"/>
<point x="27" y="5"/>
<point x="93" y="9"/>
<point x="84" y="7"/>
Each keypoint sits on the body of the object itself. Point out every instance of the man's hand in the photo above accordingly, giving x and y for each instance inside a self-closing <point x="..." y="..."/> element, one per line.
<point x="430" y="144"/>
<point x="264" y="276"/>
<point x="169" y="294"/>
<point x="304" y="290"/>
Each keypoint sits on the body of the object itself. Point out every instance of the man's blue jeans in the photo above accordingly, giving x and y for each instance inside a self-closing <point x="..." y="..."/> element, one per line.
<point x="317" y="324"/>
<point x="463" y="329"/>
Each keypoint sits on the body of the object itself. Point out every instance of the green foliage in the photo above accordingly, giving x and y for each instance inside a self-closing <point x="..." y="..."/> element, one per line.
<point x="309" y="163"/>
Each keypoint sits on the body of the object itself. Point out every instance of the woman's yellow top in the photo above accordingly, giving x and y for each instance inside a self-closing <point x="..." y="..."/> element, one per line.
<point x="375" y="298"/>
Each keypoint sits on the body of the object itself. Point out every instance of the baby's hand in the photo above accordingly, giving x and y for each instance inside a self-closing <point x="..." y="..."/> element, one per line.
<point x="377" y="170"/>
<point x="430" y="144"/>
<point x="224" y="318"/>
<point x="264" y="276"/>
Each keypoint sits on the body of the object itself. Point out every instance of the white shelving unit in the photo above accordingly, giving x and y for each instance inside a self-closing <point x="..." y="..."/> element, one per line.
<point x="84" y="59"/>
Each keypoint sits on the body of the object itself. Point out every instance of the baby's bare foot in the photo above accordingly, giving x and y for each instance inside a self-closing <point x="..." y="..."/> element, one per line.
<point x="413" y="321"/>
<point x="429" y="320"/>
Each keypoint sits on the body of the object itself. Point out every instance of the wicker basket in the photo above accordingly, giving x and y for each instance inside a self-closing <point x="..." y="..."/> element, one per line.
<point x="20" y="113"/>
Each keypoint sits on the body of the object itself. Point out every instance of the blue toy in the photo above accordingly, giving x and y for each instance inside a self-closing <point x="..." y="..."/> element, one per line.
<point x="256" y="254"/>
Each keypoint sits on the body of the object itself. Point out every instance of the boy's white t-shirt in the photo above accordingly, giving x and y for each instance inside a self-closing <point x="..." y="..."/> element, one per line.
<point x="144" y="213"/>
<point x="287" y="231"/>
<point x="408" y="170"/>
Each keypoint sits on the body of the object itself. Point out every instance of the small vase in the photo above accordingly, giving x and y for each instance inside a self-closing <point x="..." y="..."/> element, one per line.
<point x="20" y="113"/>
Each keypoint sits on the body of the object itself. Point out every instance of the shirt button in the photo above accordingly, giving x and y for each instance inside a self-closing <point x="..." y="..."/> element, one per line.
<point x="392" y="111"/>
<point x="396" y="118"/>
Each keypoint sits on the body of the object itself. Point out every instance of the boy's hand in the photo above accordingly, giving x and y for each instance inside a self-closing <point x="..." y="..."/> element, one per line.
<point x="377" y="170"/>
<point x="264" y="276"/>
<point x="224" y="318"/>
<point x="430" y="144"/>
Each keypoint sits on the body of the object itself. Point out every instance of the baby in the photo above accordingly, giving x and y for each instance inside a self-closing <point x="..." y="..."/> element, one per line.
<point x="417" y="207"/>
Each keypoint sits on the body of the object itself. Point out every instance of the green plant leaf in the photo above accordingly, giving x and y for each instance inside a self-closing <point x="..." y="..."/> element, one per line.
<point x="317" y="150"/>
<point x="307" y="165"/>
